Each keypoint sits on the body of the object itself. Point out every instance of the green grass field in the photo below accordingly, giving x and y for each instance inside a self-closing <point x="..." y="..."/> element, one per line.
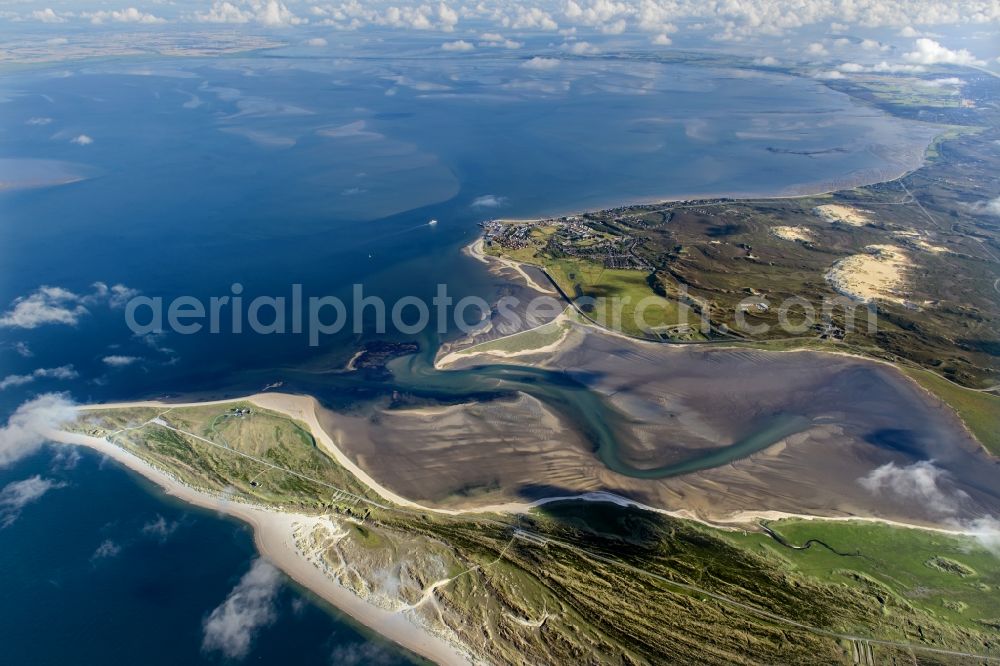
<point x="579" y="278"/>
<point x="955" y="579"/>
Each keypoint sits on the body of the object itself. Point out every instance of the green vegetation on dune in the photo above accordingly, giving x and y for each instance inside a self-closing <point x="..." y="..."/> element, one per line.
<point x="213" y="449"/>
<point x="585" y="581"/>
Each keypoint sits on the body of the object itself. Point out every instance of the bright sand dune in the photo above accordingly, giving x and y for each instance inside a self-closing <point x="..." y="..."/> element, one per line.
<point x="878" y="273"/>
<point x="854" y="217"/>
<point x="792" y="233"/>
<point x="918" y="241"/>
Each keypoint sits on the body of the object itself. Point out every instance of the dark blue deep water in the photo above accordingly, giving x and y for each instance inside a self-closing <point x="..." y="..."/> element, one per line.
<point x="145" y="599"/>
<point x="276" y="170"/>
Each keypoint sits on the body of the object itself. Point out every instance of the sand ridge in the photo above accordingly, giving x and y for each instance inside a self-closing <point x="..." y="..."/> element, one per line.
<point x="475" y="250"/>
<point x="877" y="273"/>
<point x="792" y="233"/>
<point x="854" y="217"/>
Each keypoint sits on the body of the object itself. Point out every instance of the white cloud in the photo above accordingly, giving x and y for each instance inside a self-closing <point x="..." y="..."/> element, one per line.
<point x="873" y="45"/>
<point x="882" y="67"/>
<point x="31" y="425"/>
<point x="15" y="380"/>
<point x="419" y="17"/>
<point x="851" y="67"/>
<point x="918" y="482"/>
<point x="949" y="82"/>
<point x="160" y="528"/>
<point x="489" y="201"/>
<point x="155" y="342"/>
<point x="47" y="15"/>
<point x="732" y="20"/>
<point x="921" y="483"/>
<point x="62" y="372"/>
<point x="909" y="32"/>
<point x="23" y="349"/>
<point x="250" y="606"/>
<point x="224" y="12"/>
<point x="117" y="295"/>
<point x="817" y="49"/>
<point x="447" y="17"/>
<point x="272" y="13"/>
<point x="614" y="27"/>
<point x="65" y="459"/>
<point x="986" y="531"/>
<point x="460" y="45"/>
<point x="606" y="15"/>
<point x="831" y="74"/>
<point x="989" y="207"/>
<point x="106" y="550"/>
<point x="662" y="40"/>
<point x="497" y="40"/>
<point x="541" y="63"/>
<point x="37" y="120"/>
<point x="530" y="18"/>
<point x="361" y="654"/>
<point x="18" y="494"/>
<point x="928" y="52"/>
<point x="580" y="48"/>
<point x="82" y="140"/>
<point x="275" y="14"/>
<point x="47" y="305"/>
<point x="56" y="41"/>
<point x="316" y="41"/>
<point x="894" y="68"/>
<point x="767" y="61"/>
<point x="55" y="305"/>
<point x="120" y="361"/>
<point x="127" y="15"/>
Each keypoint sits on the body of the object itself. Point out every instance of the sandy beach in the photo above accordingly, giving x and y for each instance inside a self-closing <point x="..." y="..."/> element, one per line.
<point x="447" y="360"/>
<point x="475" y="250"/>
<point x="273" y="535"/>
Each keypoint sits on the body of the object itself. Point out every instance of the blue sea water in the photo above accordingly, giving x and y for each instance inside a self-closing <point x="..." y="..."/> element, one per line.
<point x="86" y="580"/>
<point x="281" y="169"/>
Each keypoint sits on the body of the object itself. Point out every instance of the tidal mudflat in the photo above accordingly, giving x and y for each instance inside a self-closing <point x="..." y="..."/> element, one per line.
<point x="715" y="431"/>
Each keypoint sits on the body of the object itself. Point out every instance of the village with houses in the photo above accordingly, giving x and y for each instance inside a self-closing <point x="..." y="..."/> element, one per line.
<point x="569" y="236"/>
